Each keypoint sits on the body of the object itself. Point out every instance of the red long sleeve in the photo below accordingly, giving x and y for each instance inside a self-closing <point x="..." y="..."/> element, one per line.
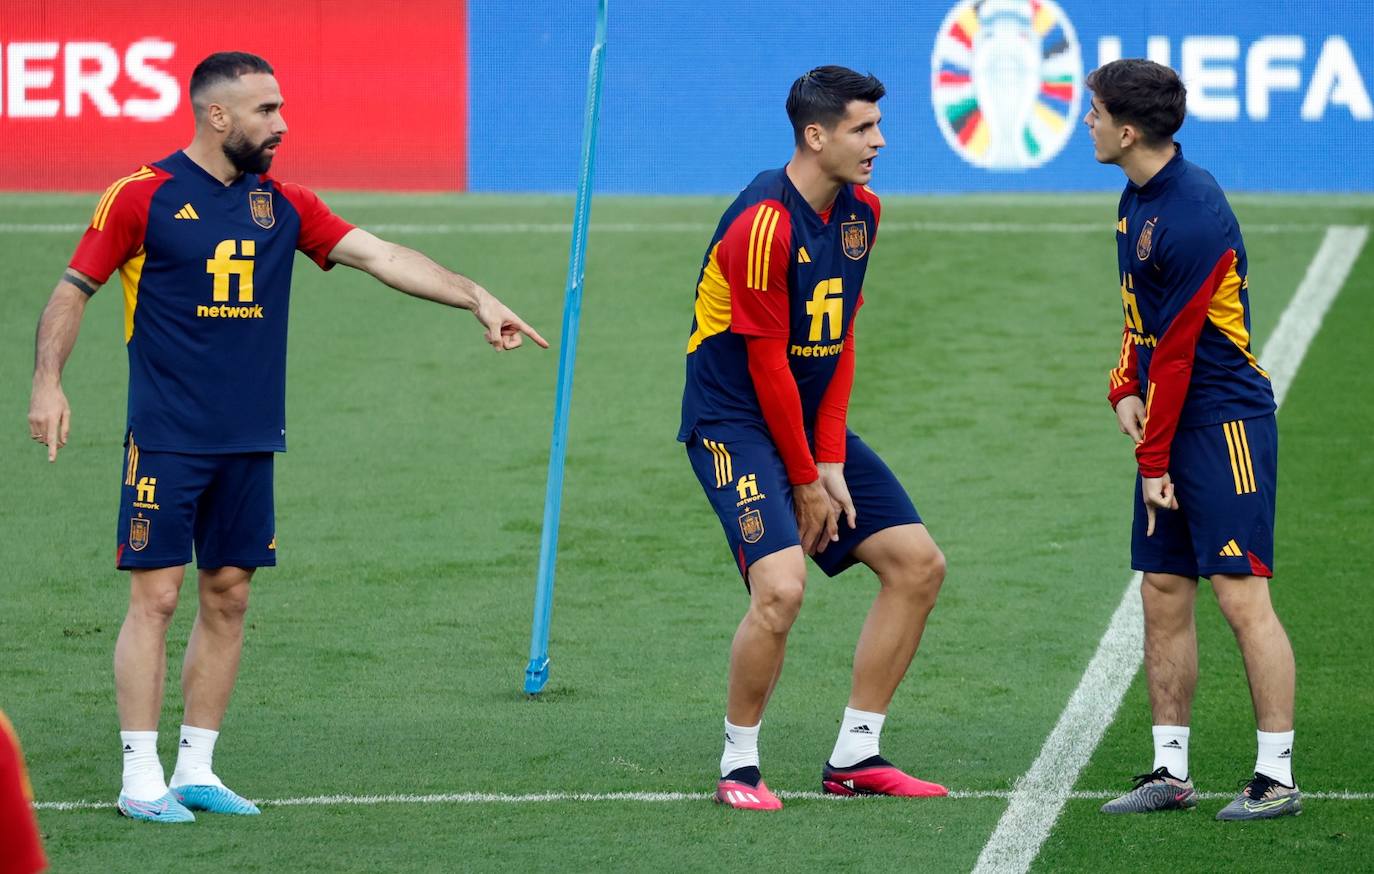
<point x="834" y="408"/>
<point x="1124" y="379"/>
<point x="781" y="405"/>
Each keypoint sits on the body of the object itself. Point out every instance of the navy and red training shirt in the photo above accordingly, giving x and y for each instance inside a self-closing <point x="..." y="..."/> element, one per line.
<point x="777" y="269"/>
<point x="1185" y="348"/>
<point x="206" y="270"/>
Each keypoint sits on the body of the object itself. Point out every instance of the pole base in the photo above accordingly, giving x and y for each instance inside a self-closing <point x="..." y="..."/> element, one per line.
<point x="536" y="676"/>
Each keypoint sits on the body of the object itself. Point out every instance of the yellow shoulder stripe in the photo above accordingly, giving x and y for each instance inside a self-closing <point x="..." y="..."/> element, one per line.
<point x="102" y="209"/>
<point x="761" y="247"/>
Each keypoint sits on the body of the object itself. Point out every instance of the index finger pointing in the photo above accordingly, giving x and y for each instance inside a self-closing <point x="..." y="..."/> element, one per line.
<point x="533" y="335"/>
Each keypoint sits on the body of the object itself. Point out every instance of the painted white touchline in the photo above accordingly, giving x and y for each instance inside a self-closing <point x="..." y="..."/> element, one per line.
<point x="1299" y="323"/>
<point x="640" y="797"/>
<point x="892" y="226"/>
<point x="1040" y="793"/>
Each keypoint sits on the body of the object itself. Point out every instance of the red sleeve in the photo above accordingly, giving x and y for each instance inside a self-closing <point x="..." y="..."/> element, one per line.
<point x="833" y="411"/>
<point x="1171" y="370"/>
<point x="1124" y="379"/>
<point x="23" y="853"/>
<point x="321" y="230"/>
<point x="754" y="255"/>
<point x="864" y="193"/>
<point x="781" y="405"/>
<point x="117" y="226"/>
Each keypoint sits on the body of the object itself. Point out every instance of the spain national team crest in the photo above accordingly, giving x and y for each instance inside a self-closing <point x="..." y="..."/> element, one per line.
<point x="260" y="202"/>
<point x="751" y="526"/>
<point x="138" y="533"/>
<point x="854" y="237"/>
<point x="1147" y="237"/>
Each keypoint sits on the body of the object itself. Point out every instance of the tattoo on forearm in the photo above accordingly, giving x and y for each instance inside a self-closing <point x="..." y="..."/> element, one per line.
<point x="80" y="283"/>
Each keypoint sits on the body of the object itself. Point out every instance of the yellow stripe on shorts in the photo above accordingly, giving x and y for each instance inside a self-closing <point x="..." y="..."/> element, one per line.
<point x="131" y="476"/>
<point x="724" y="468"/>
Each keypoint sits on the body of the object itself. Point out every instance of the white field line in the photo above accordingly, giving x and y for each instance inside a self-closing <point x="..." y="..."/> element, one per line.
<point x="1040" y="793"/>
<point x="636" y="797"/>
<point x="930" y="227"/>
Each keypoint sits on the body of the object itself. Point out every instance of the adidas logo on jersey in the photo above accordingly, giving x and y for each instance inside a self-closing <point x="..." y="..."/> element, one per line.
<point x="1231" y="549"/>
<point x="187" y="212"/>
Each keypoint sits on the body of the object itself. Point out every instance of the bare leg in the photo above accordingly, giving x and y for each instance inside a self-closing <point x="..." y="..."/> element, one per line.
<point x="776" y="584"/>
<point x="910" y="568"/>
<point x="140" y="658"/>
<point x="1170" y="646"/>
<point x="212" y="653"/>
<point x="1264" y="645"/>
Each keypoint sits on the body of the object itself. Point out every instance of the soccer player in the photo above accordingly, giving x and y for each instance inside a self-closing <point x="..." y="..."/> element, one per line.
<point x="770" y="365"/>
<point x="204" y="242"/>
<point x="1200" y="409"/>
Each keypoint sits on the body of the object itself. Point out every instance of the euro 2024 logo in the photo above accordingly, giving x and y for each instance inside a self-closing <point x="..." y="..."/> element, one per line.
<point x="1006" y="81"/>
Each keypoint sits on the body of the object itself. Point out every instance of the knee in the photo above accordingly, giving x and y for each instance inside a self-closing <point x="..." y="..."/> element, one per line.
<point x="1246" y="607"/>
<point x="225" y="597"/>
<point x="918" y="576"/>
<point x="776" y="606"/>
<point x="1164" y="590"/>
<point x="154" y="603"/>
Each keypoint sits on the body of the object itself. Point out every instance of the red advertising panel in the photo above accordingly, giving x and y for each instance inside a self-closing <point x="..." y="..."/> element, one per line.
<point x="376" y="94"/>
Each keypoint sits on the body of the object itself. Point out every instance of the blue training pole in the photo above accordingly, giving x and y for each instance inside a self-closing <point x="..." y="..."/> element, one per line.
<point x="537" y="672"/>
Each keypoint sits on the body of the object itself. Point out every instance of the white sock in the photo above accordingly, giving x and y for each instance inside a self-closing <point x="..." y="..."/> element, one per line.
<point x="858" y="738"/>
<point x="143" y="778"/>
<point x="1275" y="757"/>
<point x="195" y="751"/>
<point x="741" y="747"/>
<point x="1171" y="749"/>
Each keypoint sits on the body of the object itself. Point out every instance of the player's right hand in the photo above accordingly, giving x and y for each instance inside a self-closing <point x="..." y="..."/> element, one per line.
<point x="817" y="520"/>
<point x="1130" y="416"/>
<point x="50" y="417"/>
<point x="503" y="327"/>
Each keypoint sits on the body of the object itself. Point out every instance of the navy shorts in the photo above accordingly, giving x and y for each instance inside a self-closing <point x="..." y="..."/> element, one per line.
<point x="746" y="483"/>
<point x="220" y="504"/>
<point x="1225" y="478"/>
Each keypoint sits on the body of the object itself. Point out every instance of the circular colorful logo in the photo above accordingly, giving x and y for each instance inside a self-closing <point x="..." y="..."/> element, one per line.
<point x="1006" y="79"/>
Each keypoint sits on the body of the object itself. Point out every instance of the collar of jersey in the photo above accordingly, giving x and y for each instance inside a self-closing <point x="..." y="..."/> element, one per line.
<point x="804" y="206"/>
<point x="181" y="159"/>
<point x="1161" y="180"/>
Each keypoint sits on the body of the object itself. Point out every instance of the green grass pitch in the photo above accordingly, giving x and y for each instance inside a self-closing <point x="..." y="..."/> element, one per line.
<point x="384" y="655"/>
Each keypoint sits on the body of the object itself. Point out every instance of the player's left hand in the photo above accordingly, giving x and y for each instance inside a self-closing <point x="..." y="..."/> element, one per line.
<point x="1158" y="492"/>
<point x="504" y="328"/>
<point x="832" y="478"/>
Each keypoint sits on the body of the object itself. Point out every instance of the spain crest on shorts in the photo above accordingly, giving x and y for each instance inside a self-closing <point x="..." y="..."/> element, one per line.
<point x="854" y="238"/>
<point x="751" y="526"/>
<point x="138" y="533"/>
<point x="1146" y="238"/>
<point x="260" y="204"/>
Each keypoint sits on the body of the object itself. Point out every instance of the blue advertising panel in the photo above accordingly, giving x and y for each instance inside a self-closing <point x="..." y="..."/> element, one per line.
<point x="983" y="95"/>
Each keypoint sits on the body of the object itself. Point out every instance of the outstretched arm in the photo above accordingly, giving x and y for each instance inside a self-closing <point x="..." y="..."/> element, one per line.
<point x="416" y="274"/>
<point x="50" y="416"/>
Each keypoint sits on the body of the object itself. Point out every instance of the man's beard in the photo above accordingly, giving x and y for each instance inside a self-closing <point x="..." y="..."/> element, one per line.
<point x="246" y="157"/>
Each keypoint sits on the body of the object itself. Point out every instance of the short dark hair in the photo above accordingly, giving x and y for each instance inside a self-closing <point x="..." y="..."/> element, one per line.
<point x="1144" y="94"/>
<point x="224" y="67"/>
<point x="820" y="96"/>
